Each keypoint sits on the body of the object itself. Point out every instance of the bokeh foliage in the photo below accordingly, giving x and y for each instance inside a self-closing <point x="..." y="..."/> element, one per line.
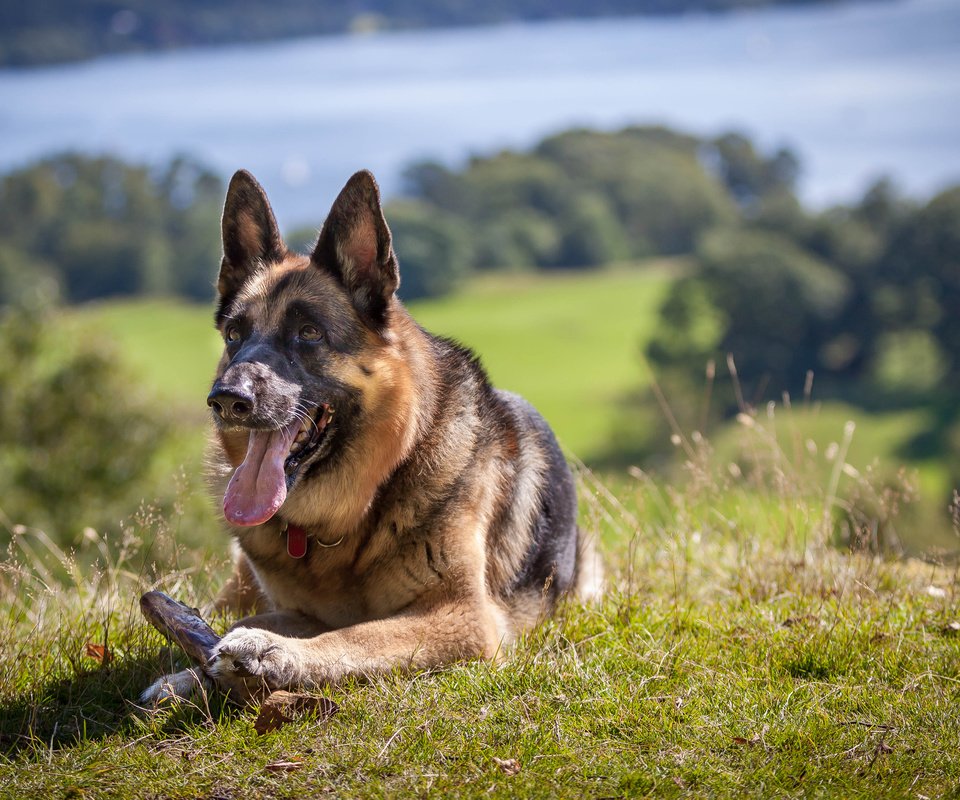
<point x="578" y="199"/>
<point x="80" y="441"/>
<point x="866" y="300"/>
<point x="88" y="228"/>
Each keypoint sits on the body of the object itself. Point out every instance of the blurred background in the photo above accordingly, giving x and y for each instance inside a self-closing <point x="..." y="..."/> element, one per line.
<point x="651" y="218"/>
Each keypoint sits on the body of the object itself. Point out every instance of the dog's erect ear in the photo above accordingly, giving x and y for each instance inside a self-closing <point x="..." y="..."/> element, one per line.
<point x="250" y="233"/>
<point x="355" y="244"/>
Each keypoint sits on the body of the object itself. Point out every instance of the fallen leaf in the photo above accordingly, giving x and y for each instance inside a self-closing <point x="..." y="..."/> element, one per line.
<point x="98" y="653"/>
<point x="283" y="707"/>
<point x="742" y="740"/>
<point x="508" y="766"/>
<point x="283" y="766"/>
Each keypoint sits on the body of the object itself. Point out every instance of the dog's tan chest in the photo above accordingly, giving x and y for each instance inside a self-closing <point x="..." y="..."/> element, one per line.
<point x="342" y="584"/>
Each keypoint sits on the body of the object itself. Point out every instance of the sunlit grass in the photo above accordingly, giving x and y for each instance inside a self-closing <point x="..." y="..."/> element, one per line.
<point x="736" y="652"/>
<point x="569" y="343"/>
<point x="170" y="345"/>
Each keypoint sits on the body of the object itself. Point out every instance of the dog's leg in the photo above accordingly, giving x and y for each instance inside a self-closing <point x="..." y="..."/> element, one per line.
<point x="277" y="654"/>
<point x="241" y="594"/>
<point x="176" y="687"/>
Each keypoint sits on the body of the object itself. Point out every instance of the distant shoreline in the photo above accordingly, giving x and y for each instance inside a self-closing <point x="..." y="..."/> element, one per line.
<point x="65" y="31"/>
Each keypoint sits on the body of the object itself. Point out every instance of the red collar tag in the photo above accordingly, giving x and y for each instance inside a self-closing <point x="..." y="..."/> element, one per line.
<point x="296" y="541"/>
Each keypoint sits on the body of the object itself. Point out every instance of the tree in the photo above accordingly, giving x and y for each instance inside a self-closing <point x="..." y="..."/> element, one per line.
<point x="749" y="176"/>
<point x="652" y="179"/>
<point x="77" y="441"/>
<point x="433" y="249"/>
<point x="101" y="227"/>
<point x="591" y="234"/>
<point x="774" y="307"/>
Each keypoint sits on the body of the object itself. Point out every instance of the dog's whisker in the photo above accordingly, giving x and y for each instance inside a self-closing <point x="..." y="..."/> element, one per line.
<point x="304" y="414"/>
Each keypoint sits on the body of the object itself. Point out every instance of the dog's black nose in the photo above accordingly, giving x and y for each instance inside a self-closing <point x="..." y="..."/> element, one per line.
<point x="230" y="405"/>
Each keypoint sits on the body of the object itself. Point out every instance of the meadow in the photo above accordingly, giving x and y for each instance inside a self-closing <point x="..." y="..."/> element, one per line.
<point x="571" y="343"/>
<point x="737" y="651"/>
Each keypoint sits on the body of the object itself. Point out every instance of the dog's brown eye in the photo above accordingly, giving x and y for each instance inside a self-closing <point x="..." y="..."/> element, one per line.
<point x="310" y="334"/>
<point x="232" y="334"/>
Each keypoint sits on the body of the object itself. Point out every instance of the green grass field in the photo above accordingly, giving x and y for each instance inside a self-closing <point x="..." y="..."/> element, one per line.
<point x="736" y="652"/>
<point x="571" y="343"/>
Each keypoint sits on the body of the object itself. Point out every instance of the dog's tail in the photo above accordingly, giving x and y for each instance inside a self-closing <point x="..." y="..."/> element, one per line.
<point x="589" y="578"/>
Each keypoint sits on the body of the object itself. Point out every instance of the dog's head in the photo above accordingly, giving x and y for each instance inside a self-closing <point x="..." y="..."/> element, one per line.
<point x="309" y="356"/>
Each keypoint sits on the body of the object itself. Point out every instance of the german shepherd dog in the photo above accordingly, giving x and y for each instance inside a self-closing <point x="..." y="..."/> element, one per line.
<point x="390" y="508"/>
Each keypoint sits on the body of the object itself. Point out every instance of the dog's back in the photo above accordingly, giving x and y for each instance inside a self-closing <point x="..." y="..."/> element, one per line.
<point x="509" y="461"/>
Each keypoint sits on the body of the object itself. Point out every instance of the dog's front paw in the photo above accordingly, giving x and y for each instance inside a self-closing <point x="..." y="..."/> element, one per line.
<point x="182" y="685"/>
<point x="248" y="661"/>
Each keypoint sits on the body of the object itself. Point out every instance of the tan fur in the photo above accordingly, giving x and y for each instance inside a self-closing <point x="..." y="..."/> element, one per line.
<point x="418" y="534"/>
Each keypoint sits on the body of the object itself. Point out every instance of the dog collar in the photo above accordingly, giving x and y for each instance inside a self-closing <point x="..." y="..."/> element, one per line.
<point x="297" y="540"/>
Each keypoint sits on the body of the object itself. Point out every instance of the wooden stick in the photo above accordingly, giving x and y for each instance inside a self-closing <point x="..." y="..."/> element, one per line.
<point x="181" y="624"/>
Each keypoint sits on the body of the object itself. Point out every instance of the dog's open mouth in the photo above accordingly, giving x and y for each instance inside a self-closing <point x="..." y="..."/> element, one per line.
<point x="311" y="434"/>
<point x="259" y="485"/>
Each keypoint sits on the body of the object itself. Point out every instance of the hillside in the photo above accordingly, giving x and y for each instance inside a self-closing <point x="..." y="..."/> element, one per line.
<point x="735" y="654"/>
<point x="572" y="345"/>
<point x="569" y="343"/>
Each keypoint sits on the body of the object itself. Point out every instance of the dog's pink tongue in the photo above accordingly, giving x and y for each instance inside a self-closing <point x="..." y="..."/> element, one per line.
<point x="258" y="487"/>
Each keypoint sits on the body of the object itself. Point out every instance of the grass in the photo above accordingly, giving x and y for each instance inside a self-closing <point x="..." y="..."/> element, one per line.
<point x="815" y="435"/>
<point x="570" y="343"/>
<point x="735" y="653"/>
<point x="170" y="346"/>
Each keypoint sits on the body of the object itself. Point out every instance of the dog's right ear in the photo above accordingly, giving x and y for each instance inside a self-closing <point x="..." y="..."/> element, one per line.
<point x="355" y="244"/>
<point x="251" y="237"/>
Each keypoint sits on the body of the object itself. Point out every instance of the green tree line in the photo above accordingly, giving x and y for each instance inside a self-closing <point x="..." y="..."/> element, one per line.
<point x="83" y="228"/>
<point x="862" y="300"/>
<point x="580" y="199"/>
<point x="92" y="227"/>
<point x="68" y="30"/>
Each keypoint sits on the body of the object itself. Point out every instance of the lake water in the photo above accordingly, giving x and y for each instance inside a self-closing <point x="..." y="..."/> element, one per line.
<point x="859" y="90"/>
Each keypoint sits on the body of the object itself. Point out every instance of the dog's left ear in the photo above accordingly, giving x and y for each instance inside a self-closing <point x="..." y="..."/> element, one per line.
<point x="355" y="244"/>
<point x="251" y="237"/>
